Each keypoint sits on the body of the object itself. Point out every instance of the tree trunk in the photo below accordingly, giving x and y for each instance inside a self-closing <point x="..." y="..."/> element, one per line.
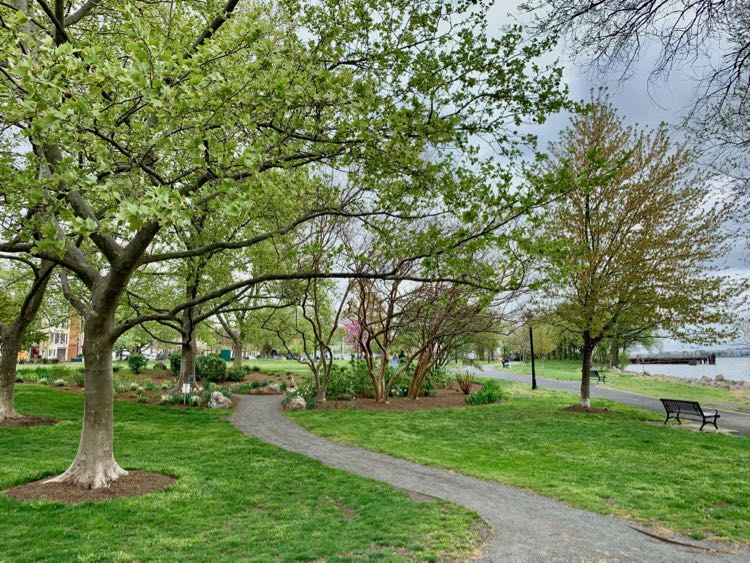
<point x="378" y="383"/>
<point x="237" y="350"/>
<point x="188" y="352"/>
<point x="423" y="366"/>
<point x="587" y="353"/>
<point x="379" y="388"/>
<point x="614" y="355"/>
<point x="94" y="466"/>
<point x="9" y="348"/>
<point x="189" y="346"/>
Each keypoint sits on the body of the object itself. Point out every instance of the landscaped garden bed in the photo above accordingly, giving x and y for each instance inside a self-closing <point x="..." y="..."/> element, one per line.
<point x="154" y="386"/>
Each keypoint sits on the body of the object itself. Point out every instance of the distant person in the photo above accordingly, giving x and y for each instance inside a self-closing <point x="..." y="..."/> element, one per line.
<point x="394" y="362"/>
<point x="401" y="357"/>
<point x="506" y="362"/>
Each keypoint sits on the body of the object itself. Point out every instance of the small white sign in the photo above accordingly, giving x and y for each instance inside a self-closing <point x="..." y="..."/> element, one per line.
<point x="186" y="388"/>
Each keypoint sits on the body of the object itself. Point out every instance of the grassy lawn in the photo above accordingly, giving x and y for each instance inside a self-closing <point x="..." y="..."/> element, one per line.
<point x="282" y="366"/>
<point x="625" y="463"/>
<point x="236" y="498"/>
<point x="652" y="386"/>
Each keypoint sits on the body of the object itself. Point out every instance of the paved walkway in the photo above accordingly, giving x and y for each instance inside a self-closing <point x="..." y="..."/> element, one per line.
<point x="738" y="423"/>
<point x="525" y="526"/>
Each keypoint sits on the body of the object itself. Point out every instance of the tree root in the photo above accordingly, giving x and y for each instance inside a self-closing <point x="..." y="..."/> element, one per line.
<point x="98" y="475"/>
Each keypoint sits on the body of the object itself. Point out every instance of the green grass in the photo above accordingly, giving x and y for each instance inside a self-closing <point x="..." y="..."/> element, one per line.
<point x="285" y="366"/>
<point x="717" y="397"/>
<point x="625" y="463"/>
<point x="236" y="498"/>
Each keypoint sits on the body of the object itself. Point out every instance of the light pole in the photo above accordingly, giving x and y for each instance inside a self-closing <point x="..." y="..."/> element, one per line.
<point x="533" y="367"/>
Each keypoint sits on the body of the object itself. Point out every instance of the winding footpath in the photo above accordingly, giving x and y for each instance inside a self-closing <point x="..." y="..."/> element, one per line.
<point x="525" y="526"/>
<point x="738" y="423"/>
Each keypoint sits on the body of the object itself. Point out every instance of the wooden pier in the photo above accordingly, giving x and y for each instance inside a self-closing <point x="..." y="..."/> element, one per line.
<point x="688" y="359"/>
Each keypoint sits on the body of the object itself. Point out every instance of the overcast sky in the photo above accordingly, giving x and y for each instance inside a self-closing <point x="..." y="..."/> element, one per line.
<point x="638" y="99"/>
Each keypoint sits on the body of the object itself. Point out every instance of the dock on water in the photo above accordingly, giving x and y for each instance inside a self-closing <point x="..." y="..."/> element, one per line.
<point x="687" y="359"/>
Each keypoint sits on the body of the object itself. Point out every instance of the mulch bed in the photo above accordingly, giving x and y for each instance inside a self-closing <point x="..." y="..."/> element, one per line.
<point x="135" y="483"/>
<point x="590" y="410"/>
<point x="155" y="395"/>
<point x="446" y="398"/>
<point x="27" y="421"/>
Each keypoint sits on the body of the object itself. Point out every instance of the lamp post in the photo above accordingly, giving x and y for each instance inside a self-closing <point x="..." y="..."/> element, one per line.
<point x="533" y="367"/>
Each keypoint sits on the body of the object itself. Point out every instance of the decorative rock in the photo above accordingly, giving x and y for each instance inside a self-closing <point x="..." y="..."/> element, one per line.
<point x="706" y="379"/>
<point x="219" y="401"/>
<point x="719" y="377"/>
<point x="298" y="403"/>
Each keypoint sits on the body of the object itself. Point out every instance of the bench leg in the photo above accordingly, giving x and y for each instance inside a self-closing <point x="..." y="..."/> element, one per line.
<point x="705" y="421"/>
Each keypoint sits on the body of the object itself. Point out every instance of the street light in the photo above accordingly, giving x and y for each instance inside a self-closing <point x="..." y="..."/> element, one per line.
<point x="533" y="367"/>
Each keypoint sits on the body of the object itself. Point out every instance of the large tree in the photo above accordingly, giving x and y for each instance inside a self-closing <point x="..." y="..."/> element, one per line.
<point x="23" y="282"/>
<point x="637" y="237"/>
<point x="137" y="115"/>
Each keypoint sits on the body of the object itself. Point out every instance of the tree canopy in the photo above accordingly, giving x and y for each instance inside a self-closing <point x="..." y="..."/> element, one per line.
<point x="638" y="236"/>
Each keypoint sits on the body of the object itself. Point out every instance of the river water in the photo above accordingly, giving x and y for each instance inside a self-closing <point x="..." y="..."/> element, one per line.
<point x="731" y="368"/>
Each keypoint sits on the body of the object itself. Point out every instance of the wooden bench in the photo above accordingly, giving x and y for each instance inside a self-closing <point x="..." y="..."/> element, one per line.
<point x="689" y="409"/>
<point x="599" y="376"/>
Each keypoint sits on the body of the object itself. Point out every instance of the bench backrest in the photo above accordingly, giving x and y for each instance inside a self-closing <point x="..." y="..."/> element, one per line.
<point x="676" y="405"/>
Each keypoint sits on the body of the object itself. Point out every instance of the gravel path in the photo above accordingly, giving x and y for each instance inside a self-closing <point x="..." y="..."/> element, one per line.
<point x="525" y="526"/>
<point x="738" y="423"/>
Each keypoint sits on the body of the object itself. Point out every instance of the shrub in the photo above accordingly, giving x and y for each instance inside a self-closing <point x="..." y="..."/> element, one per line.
<point x="255" y="369"/>
<point x="160" y="366"/>
<point x="490" y="393"/>
<point x="79" y="377"/>
<point x="59" y="383"/>
<point x="211" y="368"/>
<point x="342" y="383"/>
<point x="361" y="377"/>
<point x="401" y="386"/>
<point x="173" y="399"/>
<point x="437" y="378"/>
<point x="137" y="362"/>
<point x="465" y="381"/>
<point x="57" y="372"/>
<point x="237" y="373"/>
<point x="148" y="385"/>
<point x="244" y="388"/>
<point x="142" y="399"/>
<point x="43" y="381"/>
<point x="175" y="359"/>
